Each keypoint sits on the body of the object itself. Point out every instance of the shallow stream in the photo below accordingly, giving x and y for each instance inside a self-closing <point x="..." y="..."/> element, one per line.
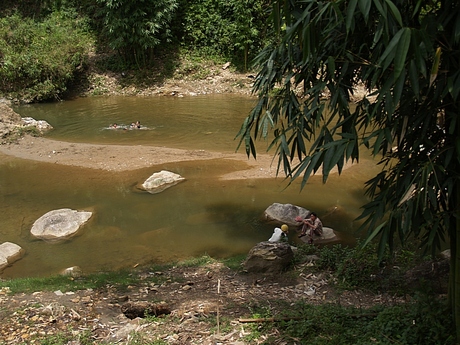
<point x="203" y="215"/>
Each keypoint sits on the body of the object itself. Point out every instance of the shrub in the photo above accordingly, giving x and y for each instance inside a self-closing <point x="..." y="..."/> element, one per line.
<point x="39" y="59"/>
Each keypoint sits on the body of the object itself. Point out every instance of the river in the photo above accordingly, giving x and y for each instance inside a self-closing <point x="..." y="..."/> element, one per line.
<point x="203" y="215"/>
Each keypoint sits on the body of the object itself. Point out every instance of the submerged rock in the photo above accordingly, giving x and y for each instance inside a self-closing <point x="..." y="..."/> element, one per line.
<point x="160" y="181"/>
<point x="9" y="253"/>
<point x="59" y="224"/>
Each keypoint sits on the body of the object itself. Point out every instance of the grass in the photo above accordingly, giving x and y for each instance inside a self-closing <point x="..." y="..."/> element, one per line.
<point x="303" y="323"/>
<point x="120" y="279"/>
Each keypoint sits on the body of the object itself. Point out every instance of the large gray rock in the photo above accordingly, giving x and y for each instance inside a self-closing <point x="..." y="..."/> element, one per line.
<point x="59" y="224"/>
<point x="160" y="181"/>
<point x="285" y="213"/>
<point x="9" y="253"/>
<point x="269" y="257"/>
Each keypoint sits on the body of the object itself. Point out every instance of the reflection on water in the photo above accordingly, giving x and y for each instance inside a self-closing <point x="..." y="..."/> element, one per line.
<point x="202" y="215"/>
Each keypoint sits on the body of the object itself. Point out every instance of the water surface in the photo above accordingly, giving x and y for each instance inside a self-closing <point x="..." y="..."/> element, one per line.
<point x="202" y="215"/>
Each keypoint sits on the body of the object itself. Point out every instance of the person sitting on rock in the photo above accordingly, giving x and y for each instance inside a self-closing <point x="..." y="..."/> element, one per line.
<point x="279" y="234"/>
<point x="312" y="226"/>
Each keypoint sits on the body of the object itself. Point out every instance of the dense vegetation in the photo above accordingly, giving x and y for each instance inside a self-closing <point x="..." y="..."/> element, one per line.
<point x="44" y="45"/>
<point x="407" y="55"/>
<point x="38" y="59"/>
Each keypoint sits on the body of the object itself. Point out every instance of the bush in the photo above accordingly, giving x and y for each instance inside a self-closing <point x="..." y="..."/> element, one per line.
<point x="235" y="29"/>
<point x="352" y="266"/>
<point x="425" y="320"/>
<point x="39" y="59"/>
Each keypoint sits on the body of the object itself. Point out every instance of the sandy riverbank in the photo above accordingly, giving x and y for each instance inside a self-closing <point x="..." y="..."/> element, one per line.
<point x="122" y="158"/>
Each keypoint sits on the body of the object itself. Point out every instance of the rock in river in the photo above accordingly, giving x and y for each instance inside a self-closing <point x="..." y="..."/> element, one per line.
<point x="59" y="224"/>
<point x="9" y="253"/>
<point x="285" y="213"/>
<point x="160" y="181"/>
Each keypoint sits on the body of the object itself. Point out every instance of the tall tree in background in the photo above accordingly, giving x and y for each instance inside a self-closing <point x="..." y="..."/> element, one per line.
<point x="135" y="28"/>
<point x="407" y="55"/>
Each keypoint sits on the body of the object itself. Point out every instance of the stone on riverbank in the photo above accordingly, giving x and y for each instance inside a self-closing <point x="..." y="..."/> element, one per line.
<point x="269" y="257"/>
<point x="11" y="122"/>
<point x="9" y="253"/>
<point x="41" y="125"/>
<point x="160" y="181"/>
<point x="59" y="224"/>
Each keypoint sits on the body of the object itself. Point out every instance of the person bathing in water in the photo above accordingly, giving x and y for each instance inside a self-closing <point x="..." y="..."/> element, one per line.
<point x="136" y="124"/>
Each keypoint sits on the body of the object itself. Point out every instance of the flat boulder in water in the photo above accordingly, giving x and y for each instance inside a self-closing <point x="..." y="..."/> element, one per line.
<point x="160" y="181"/>
<point x="9" y="253"/>
<point x="329" y="236"/>
<point x="285" y="213"/>
<point x="59" y="224"/>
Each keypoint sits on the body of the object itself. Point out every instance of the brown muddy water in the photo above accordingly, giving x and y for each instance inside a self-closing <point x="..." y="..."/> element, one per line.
<point x="203" y="215"/>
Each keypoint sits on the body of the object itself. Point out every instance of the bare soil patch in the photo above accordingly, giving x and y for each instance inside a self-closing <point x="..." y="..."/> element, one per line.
<point x="196" y="296"/>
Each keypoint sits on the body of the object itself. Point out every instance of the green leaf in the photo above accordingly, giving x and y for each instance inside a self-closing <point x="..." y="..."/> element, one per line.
<point x="380" y="9"/>
<point x="365" y="6"/>
<point x="389" y="54"/>
<point x="394" y="10"/>
<point x="350" y="14"/>
<point x="401" y="51"/>
<point x="374" y="233"/>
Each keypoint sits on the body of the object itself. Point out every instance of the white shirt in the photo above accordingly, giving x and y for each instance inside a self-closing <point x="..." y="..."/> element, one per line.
<point x="277" y="235"/>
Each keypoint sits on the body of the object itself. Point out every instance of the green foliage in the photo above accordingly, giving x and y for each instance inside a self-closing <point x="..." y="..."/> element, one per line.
<point x="121" y="279"/>
<point x="410" y="120"/>
<point x="352" y="267"/>
<point x="83" y="338"/>
<point x="407" y="56"/>
<point x="331" y="257"/>
<point x="423" y="321"/>
<point x="197" y="262"/>
<point x="235" y="262"/>
<point x="135" y="28"/>
<point x="39" y="59"/>
<point x="235" y="29"/>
